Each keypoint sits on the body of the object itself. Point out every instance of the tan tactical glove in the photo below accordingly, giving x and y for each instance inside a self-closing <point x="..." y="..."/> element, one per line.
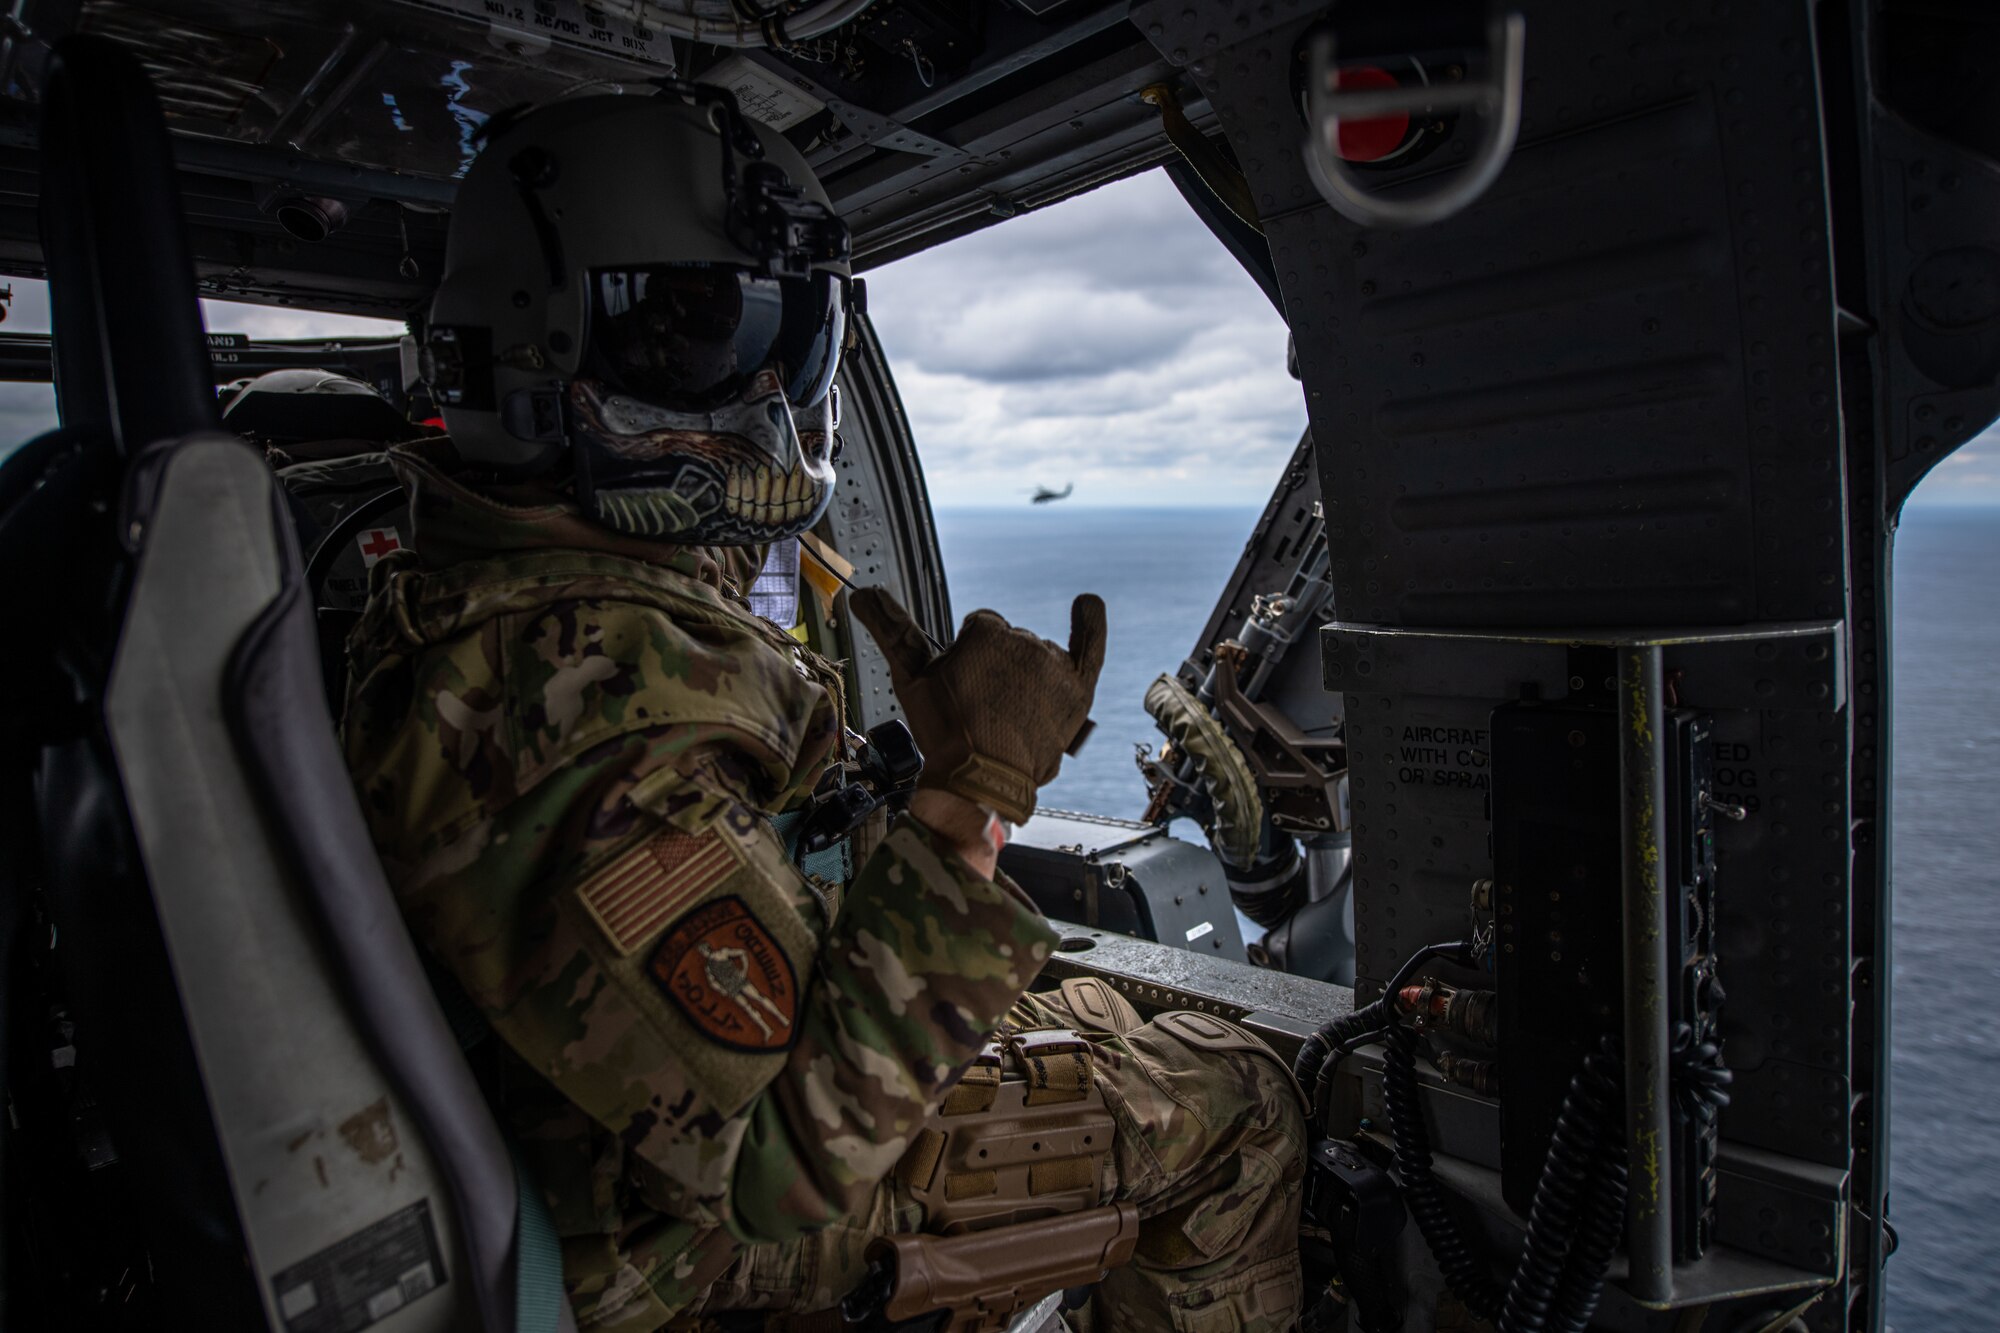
<point x="995" y="712"/>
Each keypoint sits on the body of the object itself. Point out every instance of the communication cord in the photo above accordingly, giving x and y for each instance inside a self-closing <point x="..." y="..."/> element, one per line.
<point x="1421" y="1193"/>
<point x="1322" y="1051"/>
<point x="1576" y="1218"/>
<point x="1578" y="1213"/>
<point x="1604" y="1214"/>
<point x="1560" y="1275"/>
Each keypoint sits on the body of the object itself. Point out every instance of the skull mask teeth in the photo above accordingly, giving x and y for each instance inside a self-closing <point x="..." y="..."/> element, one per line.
<point x="711" y="477"/>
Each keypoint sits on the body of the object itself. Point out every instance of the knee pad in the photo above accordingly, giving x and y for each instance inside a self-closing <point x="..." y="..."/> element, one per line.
<point x="1207" y="1032"/>
<point x="1096" y="1007"/>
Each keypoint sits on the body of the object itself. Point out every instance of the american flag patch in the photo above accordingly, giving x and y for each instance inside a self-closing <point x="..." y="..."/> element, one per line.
<point x="634" y="897"/>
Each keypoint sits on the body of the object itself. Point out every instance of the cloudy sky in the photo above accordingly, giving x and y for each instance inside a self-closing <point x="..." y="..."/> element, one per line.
<point x="1108" y="341"/>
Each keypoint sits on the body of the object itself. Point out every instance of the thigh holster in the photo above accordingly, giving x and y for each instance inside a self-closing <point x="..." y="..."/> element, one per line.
<point x="1024" y="1134"/>
<point x="1012" y="1172"/>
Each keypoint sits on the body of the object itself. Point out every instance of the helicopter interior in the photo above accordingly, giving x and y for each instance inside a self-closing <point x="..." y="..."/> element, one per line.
<point x="1560" y="650"/>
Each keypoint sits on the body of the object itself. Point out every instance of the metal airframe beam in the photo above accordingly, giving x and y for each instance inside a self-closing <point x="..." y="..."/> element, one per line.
<point x="1642" y="810"/>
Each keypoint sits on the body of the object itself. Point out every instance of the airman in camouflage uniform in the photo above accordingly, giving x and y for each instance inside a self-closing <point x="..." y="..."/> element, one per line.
<point x="540" y="707"/>
<point x="570" y="740"/>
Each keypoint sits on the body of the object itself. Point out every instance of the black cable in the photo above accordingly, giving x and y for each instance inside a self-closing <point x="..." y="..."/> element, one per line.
<point x="1323" y="1084"/>
<point x="1342" y="1031"/>
<point x="1378" y="1013"/>
<point x="1578" y="1213"/>
<point x="1421" y="1193"/>
<point x="1322" y="1052"/>
<point x="1459" y="951"/>
<point x="1603" y="1222"/>
<point x="1556" y="1217"/>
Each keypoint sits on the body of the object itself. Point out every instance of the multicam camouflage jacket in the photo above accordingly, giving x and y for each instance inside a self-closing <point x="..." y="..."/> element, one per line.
<point x="568" y="745"/>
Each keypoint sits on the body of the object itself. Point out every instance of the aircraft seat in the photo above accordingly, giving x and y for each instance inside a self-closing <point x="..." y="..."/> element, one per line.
<point x="275" y="1077"/>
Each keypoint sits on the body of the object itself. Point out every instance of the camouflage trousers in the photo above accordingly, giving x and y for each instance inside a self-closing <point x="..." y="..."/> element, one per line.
<point x="1209" y="1144"/>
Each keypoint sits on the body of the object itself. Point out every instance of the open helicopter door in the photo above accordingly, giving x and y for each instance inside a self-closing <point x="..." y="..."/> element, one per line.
<point x="1610" y="460"/>
<point x="303" y="1144"/>
<point x="1254" y="751"/>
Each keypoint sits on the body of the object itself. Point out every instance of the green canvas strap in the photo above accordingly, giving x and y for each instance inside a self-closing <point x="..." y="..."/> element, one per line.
<point x="538" y="1285"/>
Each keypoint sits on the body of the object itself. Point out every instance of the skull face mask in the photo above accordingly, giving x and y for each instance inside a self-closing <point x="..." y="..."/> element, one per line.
<point x="744" y="473"/>
<point x="703" y="413"/>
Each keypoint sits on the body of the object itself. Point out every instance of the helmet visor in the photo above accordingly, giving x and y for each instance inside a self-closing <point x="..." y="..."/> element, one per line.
<point x="692" y="336"/>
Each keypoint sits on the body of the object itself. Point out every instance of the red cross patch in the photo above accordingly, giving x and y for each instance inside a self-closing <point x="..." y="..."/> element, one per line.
<point x="378" y="542"/>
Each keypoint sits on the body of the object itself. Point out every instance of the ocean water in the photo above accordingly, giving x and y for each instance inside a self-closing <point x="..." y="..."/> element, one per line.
<point x="1945" y="1148"/>
<point x="1159" y="572"/>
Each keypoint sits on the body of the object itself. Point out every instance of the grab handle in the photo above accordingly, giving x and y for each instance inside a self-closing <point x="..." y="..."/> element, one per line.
<point x="1495" y="97"/>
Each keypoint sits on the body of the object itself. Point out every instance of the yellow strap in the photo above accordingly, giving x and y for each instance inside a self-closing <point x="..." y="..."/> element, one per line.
<point x="823" y="569"/>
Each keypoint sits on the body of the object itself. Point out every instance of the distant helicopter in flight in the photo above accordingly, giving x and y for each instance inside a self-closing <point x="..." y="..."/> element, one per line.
<point x="1043" y="495"/>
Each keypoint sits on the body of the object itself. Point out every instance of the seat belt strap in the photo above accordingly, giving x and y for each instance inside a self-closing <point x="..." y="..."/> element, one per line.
<point x="538" y="1287"/>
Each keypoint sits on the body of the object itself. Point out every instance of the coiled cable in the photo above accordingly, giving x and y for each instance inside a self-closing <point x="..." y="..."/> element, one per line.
<point x="1320" y="1052"/>
<point x="1563" y="1200"/>
<point x="1322" y="1086"/>
<point x="1421" y="1193"/>
<point x="1590" y="1257"/>
<point x="1574" y="1223"/>
<point x="1578" y="1212"/>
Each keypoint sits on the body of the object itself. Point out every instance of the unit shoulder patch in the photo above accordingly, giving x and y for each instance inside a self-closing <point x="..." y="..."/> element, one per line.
<point x="633" y="896"/>
<point x="721" y="967"/>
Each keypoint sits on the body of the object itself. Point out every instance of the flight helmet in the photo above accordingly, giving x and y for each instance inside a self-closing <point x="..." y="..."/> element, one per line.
<point x="284" y="407"/>
<point x="648" y="294"/>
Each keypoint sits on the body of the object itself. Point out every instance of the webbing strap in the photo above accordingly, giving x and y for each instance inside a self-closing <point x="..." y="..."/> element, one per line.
<point x="971" y="1185"/>
<point x="538" y="1285"/>
<point x="1056" y="1062"/>
<point x="977" y="1087"/>
<point x="920" y="1163"/>
<point x="1065" y="1173"/>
